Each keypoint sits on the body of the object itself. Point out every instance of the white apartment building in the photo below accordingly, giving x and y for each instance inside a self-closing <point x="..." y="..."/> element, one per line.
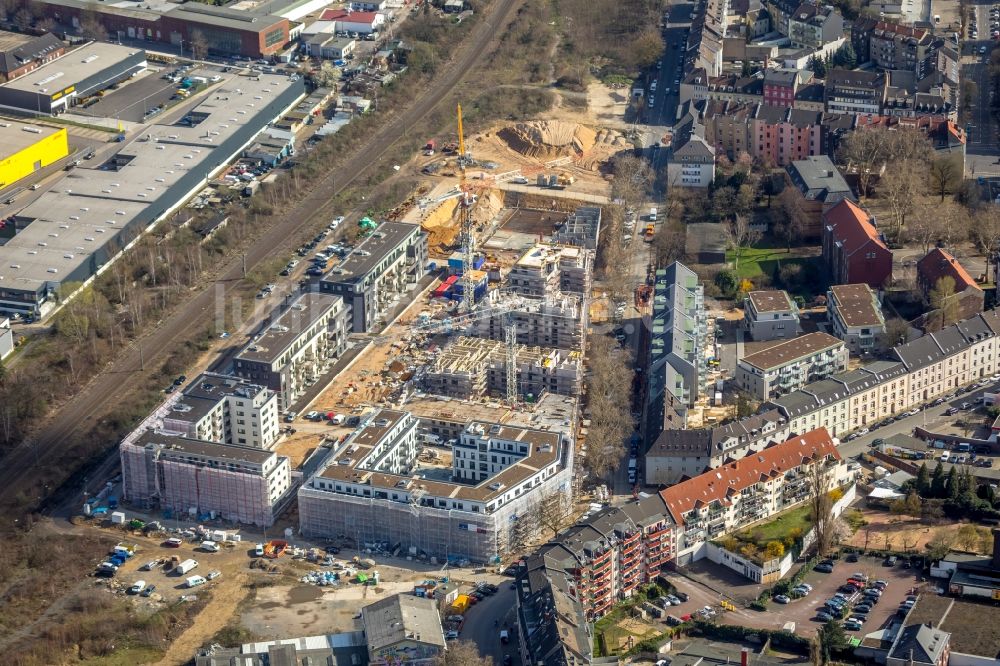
<point x="748" y="490"/>
<point x="855" y="316"/>
<point x="296" y="347"/>
<point x="770" y="315"/>
<point x="197" y="478"/>
<point x="790" y="365"/>
<point x="227" y="409"/>
<point x="375" y="491"/>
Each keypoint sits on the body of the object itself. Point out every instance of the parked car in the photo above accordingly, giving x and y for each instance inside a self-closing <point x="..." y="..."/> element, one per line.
<point x="148" y="592"/>
<point x="853" y="557"/>
<point x="781" y="598"/>
<point x="138" y="587"/>
<point x="823" y="616"/>
<point x="890" y="561"/>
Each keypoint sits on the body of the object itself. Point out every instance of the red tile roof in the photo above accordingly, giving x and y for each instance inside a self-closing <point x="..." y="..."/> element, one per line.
<point x="852" y="226"/>
<point x="939" y="263"/>
<point x="347" y="15"/>
<point x="721" y="483"/>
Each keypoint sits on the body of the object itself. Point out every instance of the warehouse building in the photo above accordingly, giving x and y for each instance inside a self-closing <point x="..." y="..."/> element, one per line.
<point x="378" y="272"/>
<point x="296" y="347"/>
<point x="73" y="231"/>
<point x="57" y="85"/>
<point x="26" y="149"/>
<point x="375" y="491"/>
<point x="223" y="30"/>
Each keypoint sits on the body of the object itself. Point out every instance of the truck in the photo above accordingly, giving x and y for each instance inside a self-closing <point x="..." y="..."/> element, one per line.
<point x="194" y="581"/>
<point x="185" y="566"/>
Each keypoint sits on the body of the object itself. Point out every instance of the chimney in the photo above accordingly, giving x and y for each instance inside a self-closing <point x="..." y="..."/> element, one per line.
<point x="996" y="548"/>
<point x="745" y="657"/>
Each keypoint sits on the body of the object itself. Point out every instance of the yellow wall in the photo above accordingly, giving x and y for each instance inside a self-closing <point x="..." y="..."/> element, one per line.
<point x="23" y="163"/>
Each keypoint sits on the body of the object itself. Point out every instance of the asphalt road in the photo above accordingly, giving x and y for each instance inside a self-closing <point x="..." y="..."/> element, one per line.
<point x="931" y="419"/>
<point x="665" y="98"/>
<point x="18" y="471"/>
<point x="982" y="154"/>
<point x="484" y="621"/>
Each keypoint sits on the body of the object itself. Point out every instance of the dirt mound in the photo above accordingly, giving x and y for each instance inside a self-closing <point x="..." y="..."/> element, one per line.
<point x="548" y="139"/>
<point x="443" y="224"/>
<point x="551" y="139"/>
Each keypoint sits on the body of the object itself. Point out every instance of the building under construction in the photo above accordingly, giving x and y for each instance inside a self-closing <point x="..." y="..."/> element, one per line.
<point x="471" y="368"/>
<point x="480" y="511"/>
<point x="558" y="320"/>
<point x="546" y="269"/>
<point x="204" y="451"/>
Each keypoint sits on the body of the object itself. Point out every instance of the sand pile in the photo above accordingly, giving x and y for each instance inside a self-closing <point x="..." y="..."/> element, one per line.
<point x="551" y="139"/>
<point x="548" y="139"/>
<point x="488" y="205"/>
<point x="443" y="224"/>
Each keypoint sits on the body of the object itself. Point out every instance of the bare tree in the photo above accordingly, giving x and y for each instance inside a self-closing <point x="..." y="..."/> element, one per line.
<point x="944" y="173"/>
<point x="899" y="191"/>
<point x="670" y="242"/>
<point x="552" y="510"/>
<point x="863" y="153"/>
<point x="462" y="653"/>
<point x="92" y="28"/>
<point x="632" y="178"/>
<point x="897" y="331"/>
<point x="328" y="76"/>
<point x="944" y="303"/>
<point x="789" y="218"/>
<point x="821" y="505"/>
<point x="740" y="235"/>
<point x="199" y="45"/>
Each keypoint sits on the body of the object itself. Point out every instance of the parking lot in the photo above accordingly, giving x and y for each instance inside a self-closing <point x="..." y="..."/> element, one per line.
<point x="132" y="101"/>
<point x="803" y="611"/>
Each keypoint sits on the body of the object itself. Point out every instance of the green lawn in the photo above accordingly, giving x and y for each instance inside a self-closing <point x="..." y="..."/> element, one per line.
<point x="779" y="527"/>
<point x="750" y="259"/>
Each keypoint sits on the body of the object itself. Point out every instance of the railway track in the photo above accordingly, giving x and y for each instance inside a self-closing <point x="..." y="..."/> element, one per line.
<point x="19" y="470"/>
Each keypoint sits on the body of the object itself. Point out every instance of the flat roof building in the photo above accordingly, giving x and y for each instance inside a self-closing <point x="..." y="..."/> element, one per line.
<point x="73" y="231"/>
<point x="677" y="368"/>
<point x="57" y="85"/>
<point x="770" y="315"/>
<point x="402" y="627"/>
<point x="296" y="347"/>
<point x="26" y="149"/>
<point x="205" y="451"/>
<point x="855" y="316"/>
<point x="374" y="490"/>
<point x="379" y="271"/>
<point x="217" y="30"/>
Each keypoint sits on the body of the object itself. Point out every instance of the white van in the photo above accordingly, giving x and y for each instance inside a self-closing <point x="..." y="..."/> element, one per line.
<point x="209" y="546"/>
<point x="652" y="214"/>
<point x="195" y="581"/>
